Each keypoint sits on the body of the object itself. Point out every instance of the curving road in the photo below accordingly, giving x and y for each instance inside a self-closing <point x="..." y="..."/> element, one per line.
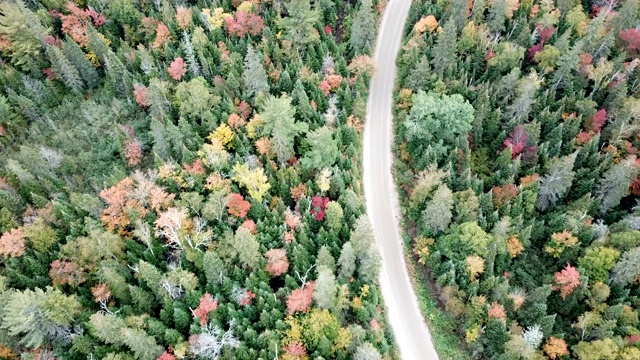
<point x="411" y="333"/>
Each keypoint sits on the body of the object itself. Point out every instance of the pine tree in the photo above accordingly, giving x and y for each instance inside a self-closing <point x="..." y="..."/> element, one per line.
<point x="325" y="289"/>
<point x="77" y="57"/>
<point x="192" y="63"/>
<point x="556" y="182"/>
<point x="279" y="121"/>
<point x="363" y="34"/>
<point x="254" y="76"/>
<point x="323" y="152"/>
<point x="64" y="69"/>
<point x="347" y="261"/>
<point x="325" y="259"/>
<point x="445" y="50"/>
<point x="300" y="23"/>
<point x="615" y="182"/>
<point x="437" y="214"/>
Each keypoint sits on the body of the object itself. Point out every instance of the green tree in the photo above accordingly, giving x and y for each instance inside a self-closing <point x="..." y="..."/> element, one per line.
<point x="247" y="247"/>
<point x="347" y="261"/>
<point x="627" y="270"/>
<point x="324" y="149"/>
<point x="556" y="182"/>
<point x="254" y="76"/>
<point x="597" y="262"/>
<point x="143" y="346"/>
<point x="326" y="288"/>
<point x="334" y="215"/>
<point x="36" y="317"/>
<point x="445" y="49"/>
<point x="300" y="23"/>
<point x="65" y="70"/>
<point x="464" y="240"/>
<point x="615" y="182"/>
<point x="279" y="121"/>
<point x="437" y="215"/>
<point x="363" y="34"/>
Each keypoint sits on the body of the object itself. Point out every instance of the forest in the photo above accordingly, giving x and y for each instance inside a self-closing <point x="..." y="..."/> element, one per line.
<point x="181" y="180"/>
<point x="516" y="142"/>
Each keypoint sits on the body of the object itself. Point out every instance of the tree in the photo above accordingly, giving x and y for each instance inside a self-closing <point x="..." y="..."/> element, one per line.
<point x="444" y="51"/>
<point x="195" y="99"/>
<point x="557" y="181"/>
<point x="334" y="215"/>
<point x="254" y="76"/>
<point x="605" y="349"/>
<point x="324" y="149"/>
<point x="64" y="69"/>
<point x="326" y="288"/>
<point x="26" y="36"/>
<point x="367" y="351"/>
<point x="464" y="240"/>
<point x="301" y="299"/>
<point x="107" y="327"/>
<point x="627" y="270"/>
<point x="363" y="35"/>
<point x="12" y="243"/>
<point x="277" y="263"/>
<point x="300" y="23"/>
<point x="278" y="117"/>
<point x="347" y="261"/>
<point x="325" y="259"/>
<point x="555" y="348"/>
<point x="237" y="206"/>
<point x="143" y="346"/>
<point x="597" y="262"/>
<point x="615" y="182"/>
<point x="434" y="117"/>
<point x="566" y="281"/>
<point x="207" y="305"/>
<point x="177" y="69"/>
<point x="35" y="317"/>
<point x="255" y="181"/>
<point x="247" y="247"/>
<point x="78" y="58"/>
<point x="210" y="342"/>
<point x="437" y="214"/>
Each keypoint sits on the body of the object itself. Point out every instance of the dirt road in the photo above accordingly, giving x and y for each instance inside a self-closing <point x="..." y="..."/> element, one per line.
<point x="411" y="333"/>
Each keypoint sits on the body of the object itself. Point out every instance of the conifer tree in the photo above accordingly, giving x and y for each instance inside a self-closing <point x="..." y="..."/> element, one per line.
<point x="254" y="75"/>
<point x="556" y="182"/>
<point x="363" y="34"/>
<point x="64" y="69"/>
<point x="77" y="57"/>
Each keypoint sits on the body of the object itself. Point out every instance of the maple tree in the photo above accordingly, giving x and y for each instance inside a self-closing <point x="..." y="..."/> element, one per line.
<point x="277" y="263"/>
<point x="163" y="36"/>
<point x="566" y="280"/>
<point x="301" y="299"/>
<point x="12" y="243"/>
<point x="237" y="205"/>
<point x="66" y="273"/>
<point x="632" y="38"/>
<point x="555" y="348"/>
<point x="177" y="69"/>
<point x="318" y="207"/>
<point x="497" y="311"/>
<point x="244" y="23"/>
<point x="207" y="305"/>
<point x="140" y="93"/>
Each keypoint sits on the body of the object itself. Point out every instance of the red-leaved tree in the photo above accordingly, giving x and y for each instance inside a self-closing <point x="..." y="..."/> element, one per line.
<point x="207" y="305"/>
<point x="318" y="207"/>
<point x="596" y="122"/>
<point x="177" y="69"/>
<point x="243" y="24"/>
<point x="632" y="38"/>
<point x="301" y="299"/>
<point x="277" y="263"/>
<point x="12" y="243"/>
<point x="66" y="273"/>
<point x="566" y="281"/>
<point x="237" y="205"/>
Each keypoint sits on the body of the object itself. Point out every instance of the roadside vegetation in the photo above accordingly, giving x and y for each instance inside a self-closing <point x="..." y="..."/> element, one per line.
<point x="516" y="142"/>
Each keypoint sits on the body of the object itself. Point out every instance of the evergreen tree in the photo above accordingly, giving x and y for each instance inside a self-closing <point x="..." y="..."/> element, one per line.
<point x="66" y="71"/>
<point x="445" y="50"/>
<point x="556" y="182"/>
<point x="77" y="57"/>
<point x="254" y="76"/>
<point x="363" y="34"/>
<point x="615" y="182"/>
<point x="326" y="288"/>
